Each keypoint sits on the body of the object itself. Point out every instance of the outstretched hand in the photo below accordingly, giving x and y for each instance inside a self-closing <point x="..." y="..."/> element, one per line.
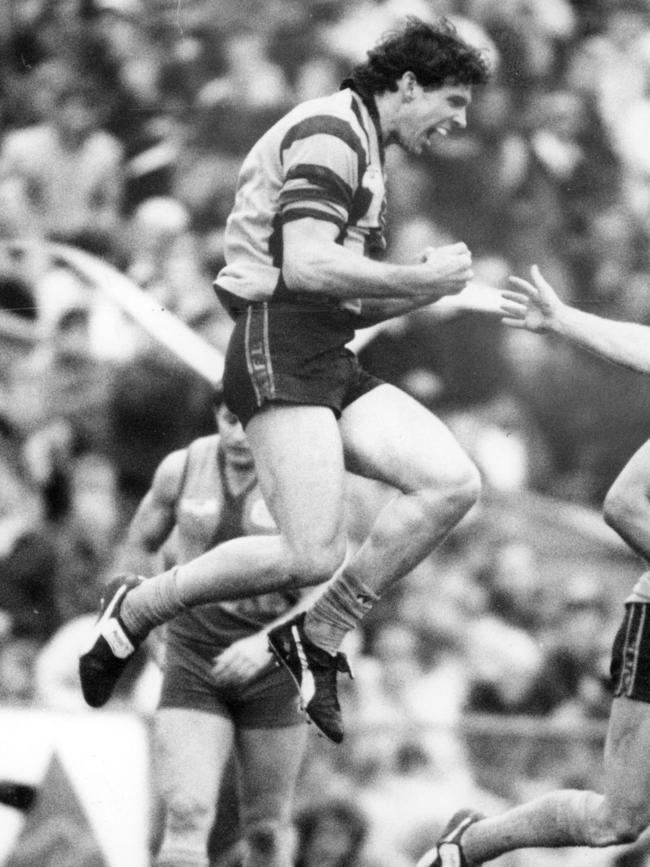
<point x="534" y="306"/>
<point x="477" y="297"/>
<point x="480" y="298"/>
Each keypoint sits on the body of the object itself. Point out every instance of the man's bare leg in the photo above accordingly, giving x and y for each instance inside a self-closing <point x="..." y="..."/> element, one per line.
<point x="269" y="762"/>
<point x="576" y="818"/>
<point x="299" y="462"/>
<point x="298" y="454"/>
<point x="390" y="437"/>
<point x="580" y="818"/>
<point x="191" y="751"/>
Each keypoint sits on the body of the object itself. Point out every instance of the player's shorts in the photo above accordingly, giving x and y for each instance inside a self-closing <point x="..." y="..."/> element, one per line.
<point x="291" y="353"/>
<point x="268" y="701"/>
<point x="630" y="665"/>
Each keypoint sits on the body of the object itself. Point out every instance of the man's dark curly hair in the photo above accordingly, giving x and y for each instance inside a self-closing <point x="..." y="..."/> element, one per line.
<point x="434" y="53"/>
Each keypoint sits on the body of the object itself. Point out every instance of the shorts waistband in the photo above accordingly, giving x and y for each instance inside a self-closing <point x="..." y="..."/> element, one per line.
<point x="235" y="305"/>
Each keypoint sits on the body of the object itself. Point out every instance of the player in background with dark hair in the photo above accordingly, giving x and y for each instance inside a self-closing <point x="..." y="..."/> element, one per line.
<point x="220" y="689"/>
<point x="303" y="272"/>
<point x="622" y="813"/>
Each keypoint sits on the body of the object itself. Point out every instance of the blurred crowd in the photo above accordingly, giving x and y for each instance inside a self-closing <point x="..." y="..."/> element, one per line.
<point x="122" y="126"/>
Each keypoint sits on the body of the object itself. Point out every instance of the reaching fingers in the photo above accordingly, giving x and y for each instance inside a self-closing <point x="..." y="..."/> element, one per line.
<point x="515" y="297"/>
<point x="513" y="310"/>
<point x="539" y="281"/>
<point x="524" y="286"/>
<point x="515" y="304"/>
<point x="513" y="323"/>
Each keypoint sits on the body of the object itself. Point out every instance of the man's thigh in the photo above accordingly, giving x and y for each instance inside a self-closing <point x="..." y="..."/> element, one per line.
<point x="269" y="764"/>
<point x="192" y="749"/>
<point x="299" y="461"/>
<point x="389" y="436"/>
<point x="627" y="773"/>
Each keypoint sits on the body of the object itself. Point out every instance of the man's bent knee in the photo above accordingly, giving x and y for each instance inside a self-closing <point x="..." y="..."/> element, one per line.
<point x="618" y="508"/>
<point x="316" y="565"/>
<point x="269" y="842"/>
<point x="468" y="487"/>
<point x="460" y="492"/>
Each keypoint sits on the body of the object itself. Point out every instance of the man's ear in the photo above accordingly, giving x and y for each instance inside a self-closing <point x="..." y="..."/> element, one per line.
<point x="407" y="84"/>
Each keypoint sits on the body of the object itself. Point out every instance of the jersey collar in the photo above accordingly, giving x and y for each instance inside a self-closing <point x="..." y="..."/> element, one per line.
<point x="368" y="100"/>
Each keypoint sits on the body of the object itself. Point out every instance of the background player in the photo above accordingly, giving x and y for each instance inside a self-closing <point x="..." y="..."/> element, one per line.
<point x="220" y="689"/>
<point x="622" y="813"/>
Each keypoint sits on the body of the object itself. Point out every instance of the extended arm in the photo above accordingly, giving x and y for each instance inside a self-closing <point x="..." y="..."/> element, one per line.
<point x="473" y="298"/>
<point x="315" y="263"/>
<point x="154" y="518"/>
<point x="536" y="307"/>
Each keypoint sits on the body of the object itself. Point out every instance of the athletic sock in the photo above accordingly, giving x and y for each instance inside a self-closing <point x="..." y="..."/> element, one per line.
<point x="151" y="603"/>
<point x="337" y="611"/>
<point x="562" y="818"/>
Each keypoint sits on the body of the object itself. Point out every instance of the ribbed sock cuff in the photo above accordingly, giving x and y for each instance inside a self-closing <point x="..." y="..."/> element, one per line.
<point x="338" y="611"/>
<point x="151" y="604"/>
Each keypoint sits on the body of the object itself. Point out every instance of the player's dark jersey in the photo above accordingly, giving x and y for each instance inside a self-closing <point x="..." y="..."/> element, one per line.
<point x="324" y="159"/>
<point x="206" y="515"/>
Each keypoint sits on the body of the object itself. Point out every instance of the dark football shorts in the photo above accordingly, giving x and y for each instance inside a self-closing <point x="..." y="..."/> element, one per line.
<point x="268" y="701"/>
<point x="630" y="666"/>
<point x="292" y="353"/>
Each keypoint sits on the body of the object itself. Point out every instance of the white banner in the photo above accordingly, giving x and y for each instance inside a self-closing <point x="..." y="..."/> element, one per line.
<point x="73" y="789"/>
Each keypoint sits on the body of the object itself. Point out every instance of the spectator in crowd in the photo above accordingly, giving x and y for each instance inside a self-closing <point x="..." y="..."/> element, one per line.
<point x="335" y="833"/>
<point x="58" y="396"/>
<point x="611" y="66"/>
<point x="572" y="683"/>
<point x="165" y="259"/>
<point x="62" y="179"/>
<point x="251" y="80"/>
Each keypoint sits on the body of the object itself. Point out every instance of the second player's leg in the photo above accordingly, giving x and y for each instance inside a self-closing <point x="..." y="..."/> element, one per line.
<point x="581" y="818"/>
<point x="191" y="751"/>
<point x="269" y="761"/>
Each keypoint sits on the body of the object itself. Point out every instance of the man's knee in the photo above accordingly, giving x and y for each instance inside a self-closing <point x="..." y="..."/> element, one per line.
<point x="316" y="563"/>
<point x="188" y="815"/>
<point x="619" y="507"/>
<point x="460" y="490"/>
<point x="268" y="841"/>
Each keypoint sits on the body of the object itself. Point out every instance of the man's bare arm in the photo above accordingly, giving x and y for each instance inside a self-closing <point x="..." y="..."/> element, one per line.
<point x="154" y="518"/>
<point x="536" y="307"/>
<point x="314" y="263"/>
<point x="473" y="298"/>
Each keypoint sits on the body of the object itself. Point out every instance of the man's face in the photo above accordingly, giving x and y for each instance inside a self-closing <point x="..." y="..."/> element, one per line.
<point x="426" y="113"/>
<point x="76" y="116"/>
<point x="233" y="439"/>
